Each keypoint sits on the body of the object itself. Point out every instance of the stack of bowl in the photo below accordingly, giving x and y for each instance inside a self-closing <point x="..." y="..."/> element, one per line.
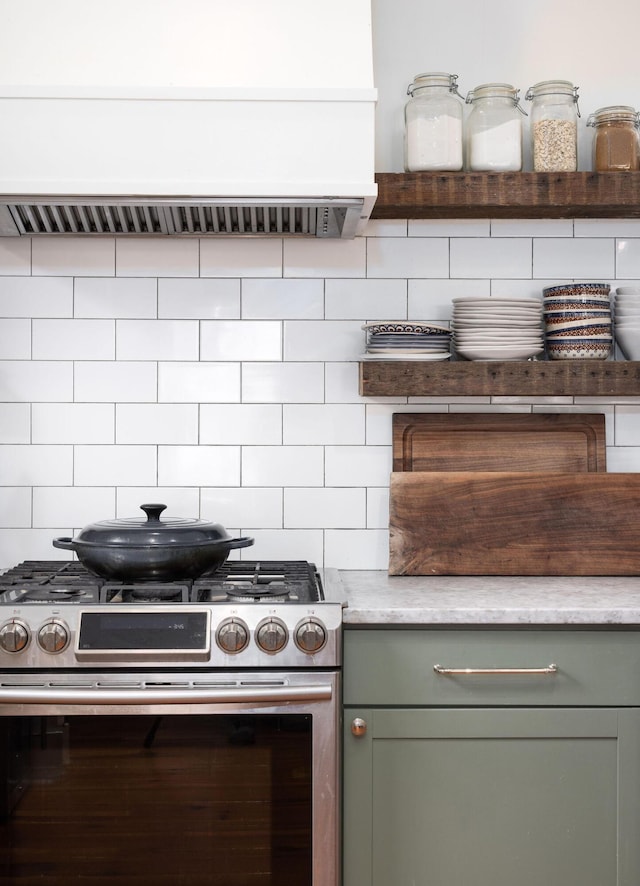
<point x="627" y="320"/>
<point x="577" y="321"/>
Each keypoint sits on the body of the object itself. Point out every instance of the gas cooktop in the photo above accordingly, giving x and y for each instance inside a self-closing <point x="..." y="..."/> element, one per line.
<point x="56" y="614"/>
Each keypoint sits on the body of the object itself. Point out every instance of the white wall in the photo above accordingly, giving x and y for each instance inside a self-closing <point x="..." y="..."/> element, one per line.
<point x="221" y="376"/>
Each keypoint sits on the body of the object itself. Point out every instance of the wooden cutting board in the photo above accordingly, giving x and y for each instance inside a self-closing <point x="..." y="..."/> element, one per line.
<point x="478" y="441"/>
<point x="514" y="523"/>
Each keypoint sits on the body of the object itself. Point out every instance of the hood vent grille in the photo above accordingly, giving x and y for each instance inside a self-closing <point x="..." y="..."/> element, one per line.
<point x="104" y="215"/>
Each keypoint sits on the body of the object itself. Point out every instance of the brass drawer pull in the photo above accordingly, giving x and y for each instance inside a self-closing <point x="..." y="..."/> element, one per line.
<point x="469" y="672"/>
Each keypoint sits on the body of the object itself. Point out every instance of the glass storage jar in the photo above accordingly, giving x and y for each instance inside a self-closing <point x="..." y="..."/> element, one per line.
<point x="433" y="124"/>
<point x="494" y="129"/>
<point x="616" y="143"/>
<point x="554" y="126"/>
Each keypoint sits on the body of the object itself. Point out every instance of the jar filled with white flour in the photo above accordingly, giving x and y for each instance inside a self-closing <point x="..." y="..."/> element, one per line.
<point x="554" y="126"/>
<point x="433" y="124"/>
<point x="494" y="129"/>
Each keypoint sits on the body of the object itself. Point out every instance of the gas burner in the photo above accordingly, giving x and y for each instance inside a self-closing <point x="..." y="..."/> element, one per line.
<point x="52" y="594"/>
<point x="145" y="593"/>
<point x="246" y="589"/>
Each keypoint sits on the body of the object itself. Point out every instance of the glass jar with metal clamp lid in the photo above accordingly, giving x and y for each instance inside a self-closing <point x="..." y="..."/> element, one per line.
<point x="494" y="129"/>
<point x="433" y="124"/>
<point x="616" y="142"/>
<point x="554" y="126"/>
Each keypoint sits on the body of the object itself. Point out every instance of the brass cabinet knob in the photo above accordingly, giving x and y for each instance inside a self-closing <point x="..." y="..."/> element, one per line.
<point x="358" y="727"/>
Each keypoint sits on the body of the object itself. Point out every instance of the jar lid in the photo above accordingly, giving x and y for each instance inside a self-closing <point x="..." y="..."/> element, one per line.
<point x="552" y="87"/>
<point x="420" y="81"/>
<point x="495" y="90"/>
<point x="613" y="114"/>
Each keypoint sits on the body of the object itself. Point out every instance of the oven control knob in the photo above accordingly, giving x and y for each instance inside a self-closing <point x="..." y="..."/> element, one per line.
<point x="310" y="635"/>
<point x="53" y="636"/>
<point x="232" y="635"/>
<point x="271" y="635"/>
<point x="14" y="636"/>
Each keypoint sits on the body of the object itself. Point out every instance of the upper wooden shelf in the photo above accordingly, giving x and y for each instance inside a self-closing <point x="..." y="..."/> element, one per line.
<point x="507" y="195"/>
<point x="541" y="378"/>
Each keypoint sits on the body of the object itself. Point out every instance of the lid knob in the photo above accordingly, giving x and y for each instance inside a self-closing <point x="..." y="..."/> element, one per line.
<point x="153" y="512"/>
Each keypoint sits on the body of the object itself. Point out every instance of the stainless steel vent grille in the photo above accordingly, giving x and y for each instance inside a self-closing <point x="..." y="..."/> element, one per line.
<point x="321" y="218"/>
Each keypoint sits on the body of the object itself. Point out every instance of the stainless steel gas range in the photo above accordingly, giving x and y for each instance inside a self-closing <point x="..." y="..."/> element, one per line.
<point x="211" y="702"/>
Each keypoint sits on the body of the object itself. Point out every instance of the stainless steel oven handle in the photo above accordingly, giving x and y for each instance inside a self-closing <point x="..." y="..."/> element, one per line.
<point x="163" y="695"/>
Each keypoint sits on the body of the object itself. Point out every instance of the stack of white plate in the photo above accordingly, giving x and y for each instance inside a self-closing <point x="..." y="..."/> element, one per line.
<point x="497" y="328"/>
<point x="627" y="320"/>
<point x="406" y="340"/>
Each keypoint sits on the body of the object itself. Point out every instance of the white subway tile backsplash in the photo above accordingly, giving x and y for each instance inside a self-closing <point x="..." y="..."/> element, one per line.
<point x="326" y="424"/>
<point x="73" y="256"/>
<point x="15" y="339"/>
<point x="313" y="508"/>
<point x="241" y="340"/>
<point x="198" y="465"/>
<point x="413" y="257"/>
<point x="244" y="506"/>
<point x="358" y="465"/>
<point x="198" y="382"/>
<point x="15" y="255"/>
<point x="15" y="422"/>
<point x="378" y="507"/>
<point x="115" y="465"/>
<point x="366" y="300"/>
<point x="606" y="227"/>
<point x="279" y="299"/>
<point x="73" y="339"/>
<point x="33" y="297"/>
<point x="243" y="423"/>
<point x="17" y="545"/>
<point x="341" y="383"/>
<point x="156" y="423"/>
<point x="111" y="297"/>
<point x="23" y="381"/>
<point x="198" y="299"/>
<point x="36" y="465"/>
<point x="180" y="501"/>
<point x="622" y="459"/>
<point x="284" y="544"/>
<point x="282" y="382"/>
<point x="326" y="340"/>
<point x="490" y="257"/>
<point x="157" y="340"/>
<point x="282" y="466"/>
<point x="15" y="507"/>
<point x="72" y="505"/>
<point x="386" y="227"/>
<point x="583" y="259"/>
<point x="151" y="257"/>
<point x="433" y="299"/>
<point x="449" y="227"/>
<point x="72" y="423"/>
<point x="532" y="227"/>
<point x="356" y="549"/>
<point x="255" y="257"/>
<point x="325" y="258"/>
<point x="628" y="258"/>
<point x="115" y="381"/>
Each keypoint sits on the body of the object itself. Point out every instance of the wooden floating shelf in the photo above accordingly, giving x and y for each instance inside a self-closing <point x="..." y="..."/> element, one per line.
<point x="575" y="378"/>
<point x="418" y="195"/>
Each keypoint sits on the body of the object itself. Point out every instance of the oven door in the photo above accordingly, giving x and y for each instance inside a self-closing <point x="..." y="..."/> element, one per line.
<point x="169" y="778"/>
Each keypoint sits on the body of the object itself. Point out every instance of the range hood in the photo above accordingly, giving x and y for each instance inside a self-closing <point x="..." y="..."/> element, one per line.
<point x="187" y="117"/>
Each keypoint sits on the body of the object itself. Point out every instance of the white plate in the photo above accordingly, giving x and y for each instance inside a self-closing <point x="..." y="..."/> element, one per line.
<point x="436" y="355"/>
<point x="512" y="353"/>
<point x="498" y="301"/>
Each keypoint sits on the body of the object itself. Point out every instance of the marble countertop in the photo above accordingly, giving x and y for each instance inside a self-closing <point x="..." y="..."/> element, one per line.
<point x="375" y="598"/>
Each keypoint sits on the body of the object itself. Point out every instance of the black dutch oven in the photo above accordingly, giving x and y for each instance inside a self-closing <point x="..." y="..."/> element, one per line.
<point x="152" y="550"/>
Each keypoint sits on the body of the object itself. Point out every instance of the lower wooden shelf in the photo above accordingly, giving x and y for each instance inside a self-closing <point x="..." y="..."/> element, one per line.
<point x="576" y="378"/>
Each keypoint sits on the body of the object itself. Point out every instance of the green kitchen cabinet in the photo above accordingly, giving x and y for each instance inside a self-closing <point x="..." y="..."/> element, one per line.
<point x="522" y="771"/>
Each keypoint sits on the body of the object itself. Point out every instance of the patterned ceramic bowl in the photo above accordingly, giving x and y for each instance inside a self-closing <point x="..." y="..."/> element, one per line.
<point x="579" y="348"/>
<point x="582" y="290"/>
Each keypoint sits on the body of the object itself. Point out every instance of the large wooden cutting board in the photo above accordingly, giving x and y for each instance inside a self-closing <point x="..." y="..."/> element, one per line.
<point x="424" y="441"/>
<point x="514" y="523"/>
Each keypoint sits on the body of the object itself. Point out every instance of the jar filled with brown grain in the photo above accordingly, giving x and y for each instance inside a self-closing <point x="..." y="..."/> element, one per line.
<point x="616" y="139"/>
<point x="554" y="126"/>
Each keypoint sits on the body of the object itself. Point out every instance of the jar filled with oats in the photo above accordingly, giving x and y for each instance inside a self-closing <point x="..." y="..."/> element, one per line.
<point x="616" y="142"/>
<point x="433" y="124"/>
<point x="554" y="126"/>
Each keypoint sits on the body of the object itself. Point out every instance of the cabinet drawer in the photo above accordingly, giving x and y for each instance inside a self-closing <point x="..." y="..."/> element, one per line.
<point x="397" y="667"/>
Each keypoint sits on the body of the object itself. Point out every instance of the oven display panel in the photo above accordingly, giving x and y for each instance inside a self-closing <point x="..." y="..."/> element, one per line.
<point x="144" y="631"/>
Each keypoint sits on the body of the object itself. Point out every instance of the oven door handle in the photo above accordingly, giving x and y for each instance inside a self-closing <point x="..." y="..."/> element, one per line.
<point x="153" y="695"/>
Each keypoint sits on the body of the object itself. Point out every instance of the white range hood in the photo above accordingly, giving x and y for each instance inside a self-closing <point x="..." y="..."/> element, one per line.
<point x="190" y="117"/>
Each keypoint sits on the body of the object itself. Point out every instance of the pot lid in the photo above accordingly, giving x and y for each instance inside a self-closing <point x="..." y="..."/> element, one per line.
<point x="128" y="531"/>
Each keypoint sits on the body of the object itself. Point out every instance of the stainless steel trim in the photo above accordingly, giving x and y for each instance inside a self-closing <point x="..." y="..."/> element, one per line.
<point x="152" y="695"/>
<point x="466" y="672"/>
